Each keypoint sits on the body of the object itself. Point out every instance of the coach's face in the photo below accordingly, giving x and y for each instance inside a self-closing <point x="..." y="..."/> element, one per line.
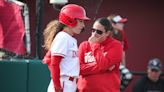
<point x="79" y="27"/>
<point x="99" y="32"/>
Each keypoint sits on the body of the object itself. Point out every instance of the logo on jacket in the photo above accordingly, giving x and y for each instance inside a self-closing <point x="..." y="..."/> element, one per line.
<point x="89" y="57"/>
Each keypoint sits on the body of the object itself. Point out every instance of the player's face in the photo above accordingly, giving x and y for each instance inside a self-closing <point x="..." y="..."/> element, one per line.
<point x="119" y="26"/>
<point x="79" y="27"/>
<point x="99" y="31"/>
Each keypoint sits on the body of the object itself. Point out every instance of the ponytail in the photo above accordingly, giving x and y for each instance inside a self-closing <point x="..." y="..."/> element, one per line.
<point x="52" y="28"/>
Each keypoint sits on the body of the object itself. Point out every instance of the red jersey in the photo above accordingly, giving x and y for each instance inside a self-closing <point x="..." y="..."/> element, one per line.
<point x="95" y="61"/>
<point x="122" y="38"/>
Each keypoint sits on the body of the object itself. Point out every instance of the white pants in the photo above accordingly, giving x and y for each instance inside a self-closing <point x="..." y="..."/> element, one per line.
<point x="67" y="85"/>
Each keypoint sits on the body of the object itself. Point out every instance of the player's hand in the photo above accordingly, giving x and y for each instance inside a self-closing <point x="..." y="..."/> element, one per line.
<point x="58" y="89"/>
<point x="47" y="58"/>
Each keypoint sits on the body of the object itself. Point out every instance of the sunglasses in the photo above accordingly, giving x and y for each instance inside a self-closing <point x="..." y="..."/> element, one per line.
<point x="97" y="31"/>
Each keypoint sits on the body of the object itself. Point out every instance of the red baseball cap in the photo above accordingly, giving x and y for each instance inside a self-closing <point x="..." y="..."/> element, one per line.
<point x="119" y="19"/>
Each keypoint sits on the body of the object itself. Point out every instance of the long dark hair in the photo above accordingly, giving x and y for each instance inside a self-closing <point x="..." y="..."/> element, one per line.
<point x="52" y="28"/>
<point x="106" y="23"/>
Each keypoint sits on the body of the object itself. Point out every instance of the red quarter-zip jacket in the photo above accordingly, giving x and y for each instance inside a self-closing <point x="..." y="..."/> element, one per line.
<point x="95" y="61"/>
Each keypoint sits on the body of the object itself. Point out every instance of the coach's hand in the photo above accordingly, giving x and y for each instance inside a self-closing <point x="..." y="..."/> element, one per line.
<point x="111" y="68"/>
<point x="93" y="39"/>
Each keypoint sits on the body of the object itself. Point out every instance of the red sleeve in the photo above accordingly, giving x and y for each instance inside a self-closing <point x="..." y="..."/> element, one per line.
<point x="112" y="56"/>
<point x="47" y="58"/>
<point x="126" y="45"/>
<point x="86" y="68"/>
<point x="55" y="71"/>
<point x="124" y="40"/>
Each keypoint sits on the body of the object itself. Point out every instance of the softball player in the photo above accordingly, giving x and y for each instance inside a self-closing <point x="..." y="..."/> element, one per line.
<point x="62" y="58"/>
<point x="118" y="24"/>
